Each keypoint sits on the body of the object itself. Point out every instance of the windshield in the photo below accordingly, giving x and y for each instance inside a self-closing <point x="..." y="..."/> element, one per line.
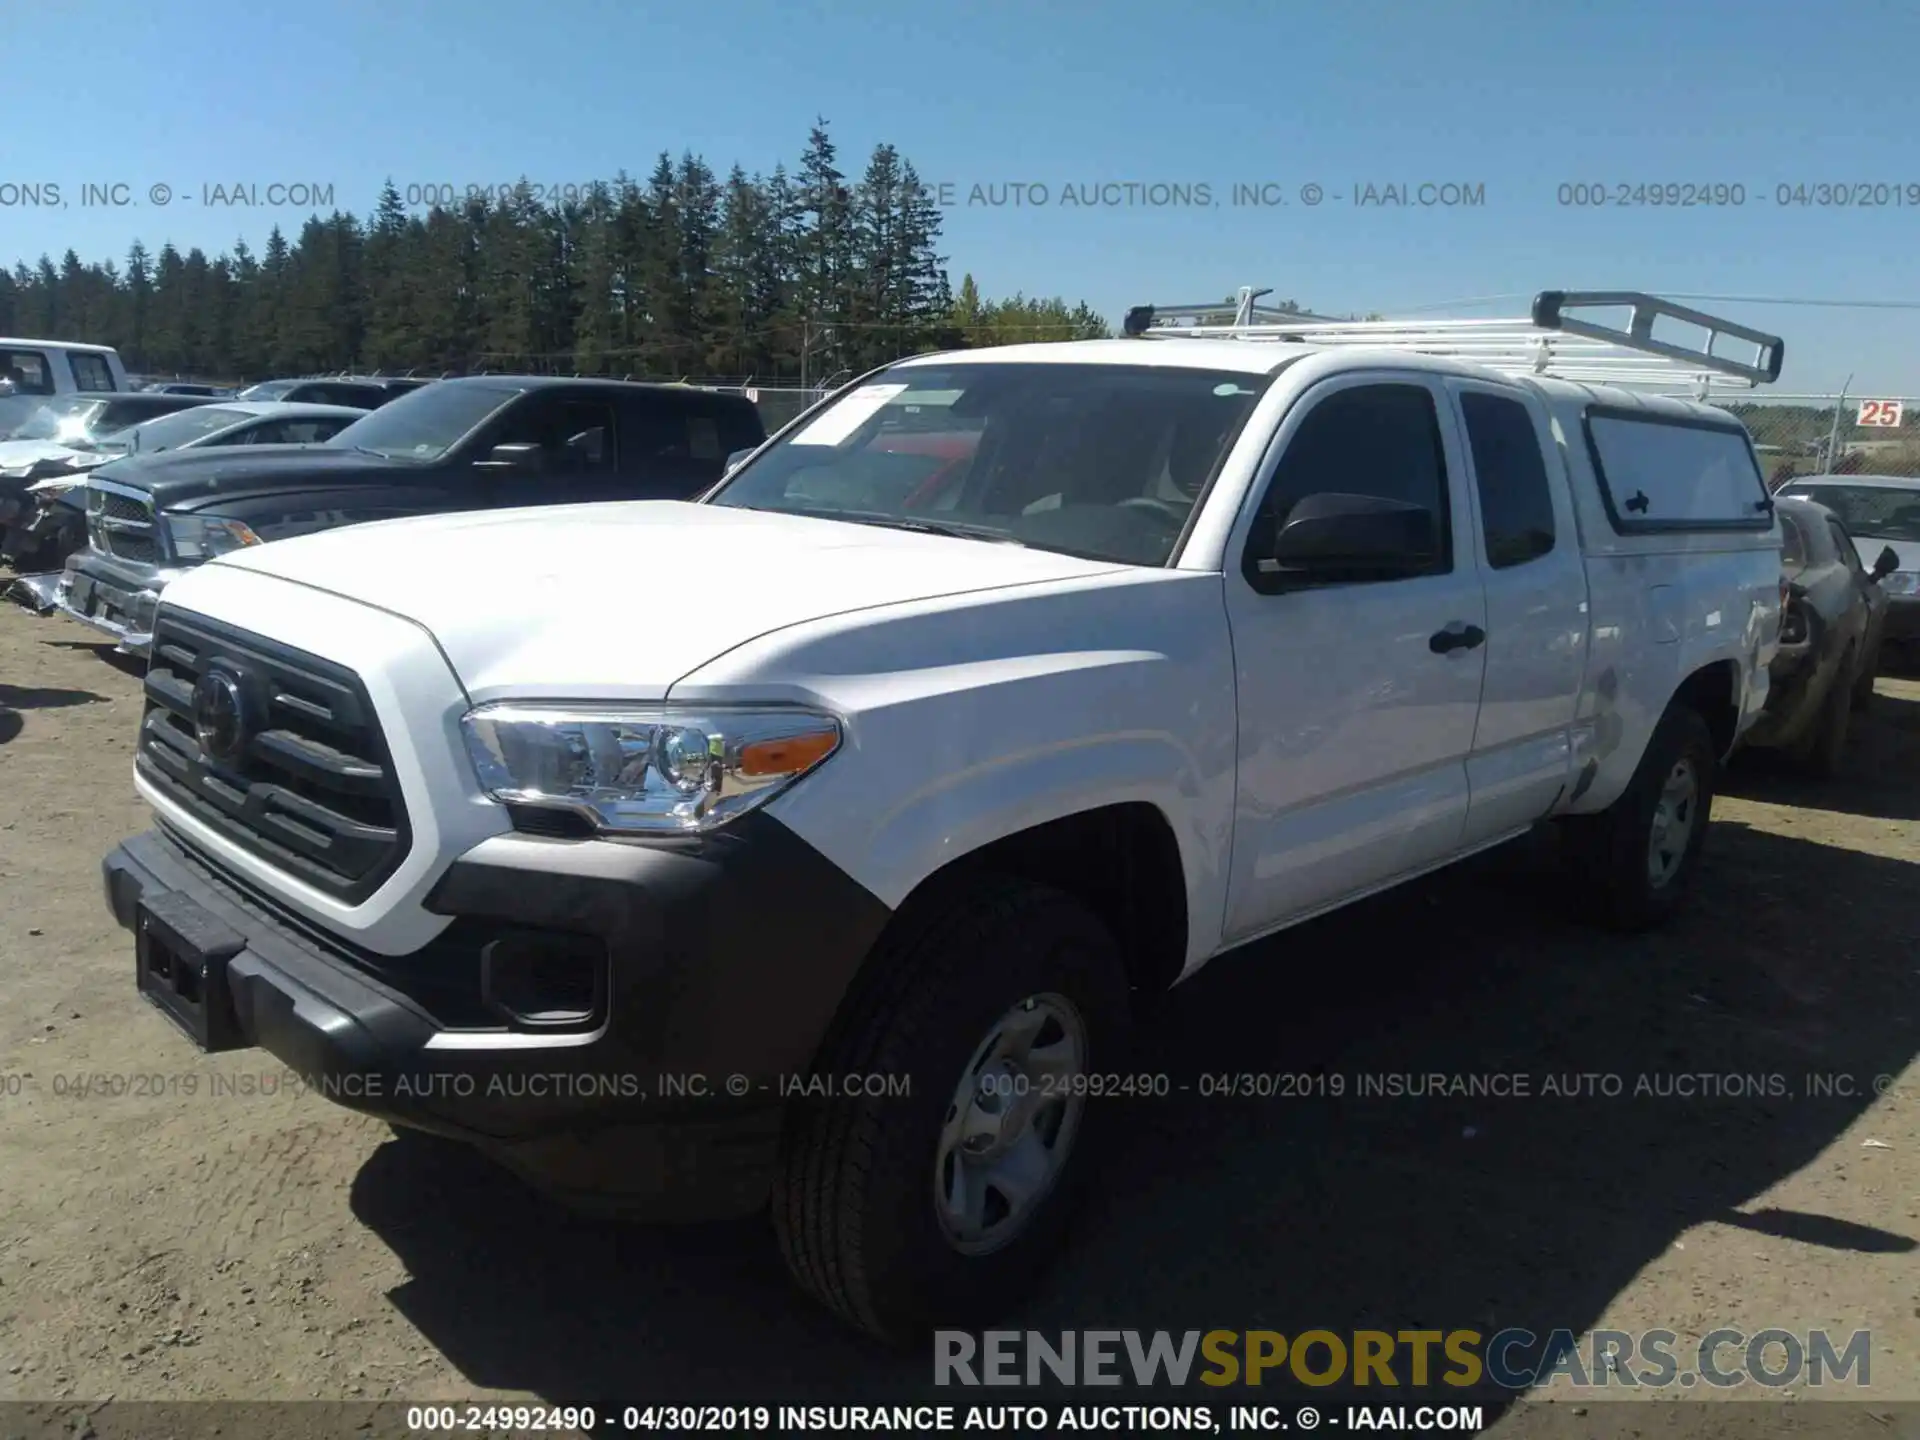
<point x="267" y="390"/>
<point x="426" y="423"/>
<point x="180" y="428"/>
<point x="65" y="421"/>
<point x="1869" y="511"/>
<point x="1100" y="461"/>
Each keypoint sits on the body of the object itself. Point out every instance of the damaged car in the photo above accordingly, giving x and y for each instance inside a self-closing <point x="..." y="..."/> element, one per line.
<point x="50" y="526"/>
<point x="1831" y="628"/>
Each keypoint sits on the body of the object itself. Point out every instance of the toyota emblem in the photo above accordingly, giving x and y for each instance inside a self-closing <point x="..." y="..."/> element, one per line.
<point x="219" y="715"/>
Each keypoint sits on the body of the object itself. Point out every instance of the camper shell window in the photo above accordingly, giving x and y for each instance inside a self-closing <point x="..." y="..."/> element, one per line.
<point x="1663" y="472"/>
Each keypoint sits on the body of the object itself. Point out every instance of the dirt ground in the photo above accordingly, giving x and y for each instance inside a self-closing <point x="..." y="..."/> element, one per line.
<point x="160" y="1244"/>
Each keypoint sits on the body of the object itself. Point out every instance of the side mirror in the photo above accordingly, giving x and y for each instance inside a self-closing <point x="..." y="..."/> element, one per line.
<point x="1363" y="534"/>
<point x="733" y="460"/>
<point x="523" y="459"/>
<point x="1885" y="563"/>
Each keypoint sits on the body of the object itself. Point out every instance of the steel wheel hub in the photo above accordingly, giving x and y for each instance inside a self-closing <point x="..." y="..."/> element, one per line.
<point x="1674" y="817"/>
<point x="1011" y="1124"/>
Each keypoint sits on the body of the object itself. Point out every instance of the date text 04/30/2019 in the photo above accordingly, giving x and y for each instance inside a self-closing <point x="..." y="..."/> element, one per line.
<point x="1733" y="195"/>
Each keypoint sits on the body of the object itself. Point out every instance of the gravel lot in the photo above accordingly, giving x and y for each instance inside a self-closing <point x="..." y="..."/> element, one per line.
<point x="171" y="1245"/>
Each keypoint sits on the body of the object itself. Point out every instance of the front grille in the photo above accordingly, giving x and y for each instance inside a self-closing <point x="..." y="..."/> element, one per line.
<point x="122" y="526"/>
<point x="122" y="507"/>
<point x="310" y="786"/>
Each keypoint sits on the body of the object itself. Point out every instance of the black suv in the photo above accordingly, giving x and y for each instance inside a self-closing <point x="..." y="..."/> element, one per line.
<point x="477" y="443"/>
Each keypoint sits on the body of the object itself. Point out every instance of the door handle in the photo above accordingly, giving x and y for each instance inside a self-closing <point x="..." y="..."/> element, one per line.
<point x="1466" y="637"/>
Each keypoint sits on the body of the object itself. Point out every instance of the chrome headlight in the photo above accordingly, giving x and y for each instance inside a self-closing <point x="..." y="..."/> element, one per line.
<point x="644" y="769"/>
<point x="201" y="537"/>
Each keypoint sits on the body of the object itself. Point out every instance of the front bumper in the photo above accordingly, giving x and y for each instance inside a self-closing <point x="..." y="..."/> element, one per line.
<point x="116" y="597"/>
<point x="719" y="969"/>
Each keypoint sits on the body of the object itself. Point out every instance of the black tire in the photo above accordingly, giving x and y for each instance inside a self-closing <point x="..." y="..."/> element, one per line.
<point x="854" y="1193"/>
<point x="1824" y="749"/>
<point x="1611" y="852"/>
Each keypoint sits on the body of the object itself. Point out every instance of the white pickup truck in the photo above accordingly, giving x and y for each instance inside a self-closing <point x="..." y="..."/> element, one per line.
<point x="809" y="844"/>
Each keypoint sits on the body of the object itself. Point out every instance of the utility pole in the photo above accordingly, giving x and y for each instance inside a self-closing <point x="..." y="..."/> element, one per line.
<point x="1833" y="435"/>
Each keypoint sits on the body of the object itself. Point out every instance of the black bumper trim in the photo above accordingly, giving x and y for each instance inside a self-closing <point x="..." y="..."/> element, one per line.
<point x="728" y="959"/>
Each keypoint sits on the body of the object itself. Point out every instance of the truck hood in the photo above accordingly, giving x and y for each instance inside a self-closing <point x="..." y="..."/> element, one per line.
<point x="195" y="472"/>
<point x="16" y="453"/>
<point x="622" y="599"/>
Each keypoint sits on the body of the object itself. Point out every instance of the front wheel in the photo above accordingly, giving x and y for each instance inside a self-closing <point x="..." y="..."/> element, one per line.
<point x="939" y="1191"/>
<point x="1635" y="860"/>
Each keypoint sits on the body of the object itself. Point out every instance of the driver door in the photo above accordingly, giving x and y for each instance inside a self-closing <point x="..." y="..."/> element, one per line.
<point x="1357" y="701"/>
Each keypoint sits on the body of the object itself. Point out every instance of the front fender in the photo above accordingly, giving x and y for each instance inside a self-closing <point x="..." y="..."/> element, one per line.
<point x="925" y="831"/>
<point x="967" y="724"/>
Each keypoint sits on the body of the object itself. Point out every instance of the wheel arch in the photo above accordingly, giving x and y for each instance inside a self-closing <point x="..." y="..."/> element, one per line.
<point x="1121" y="860"/>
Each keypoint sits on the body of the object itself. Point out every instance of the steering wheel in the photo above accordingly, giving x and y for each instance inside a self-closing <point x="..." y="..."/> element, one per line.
<point x="1167" y="508"/>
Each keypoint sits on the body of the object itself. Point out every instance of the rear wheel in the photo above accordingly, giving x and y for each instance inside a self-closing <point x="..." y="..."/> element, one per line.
<point x="939" y="1206"/>
<point x="1634" y="861"/>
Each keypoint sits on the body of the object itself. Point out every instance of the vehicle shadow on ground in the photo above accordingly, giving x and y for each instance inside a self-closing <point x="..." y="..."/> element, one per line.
<point x="132" y="665"/>
<point x="1878" y="750"/>
<point x="1305" y="1210"/>
<point x="34" y="697"/>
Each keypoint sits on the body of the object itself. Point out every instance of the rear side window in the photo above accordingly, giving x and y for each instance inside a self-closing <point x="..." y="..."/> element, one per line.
<point x="694" y="436"/>
<point x="1664" y="474"/>
<point x="90" y="372"/>
<point x="1516" y="501"/>
<point x="1793" y="541"/>
<point x="1844" y="547"/>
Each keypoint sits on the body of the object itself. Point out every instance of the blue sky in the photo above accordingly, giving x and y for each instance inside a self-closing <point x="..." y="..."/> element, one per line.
<point x="1517" y="98"/>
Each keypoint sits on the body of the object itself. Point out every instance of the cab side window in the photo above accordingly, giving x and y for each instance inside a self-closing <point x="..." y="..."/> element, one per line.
<point x="27" y="370"/>
<point x="1377" y="441"/>
<point x="1516" y="497"/>
<point x="577" y="434"/>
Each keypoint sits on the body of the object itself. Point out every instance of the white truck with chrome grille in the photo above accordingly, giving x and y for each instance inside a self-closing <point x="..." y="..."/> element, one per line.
<point x="808" y="846"/>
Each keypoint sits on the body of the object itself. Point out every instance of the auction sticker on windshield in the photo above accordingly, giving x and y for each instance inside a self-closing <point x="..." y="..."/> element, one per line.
<point x="848" y="416"/>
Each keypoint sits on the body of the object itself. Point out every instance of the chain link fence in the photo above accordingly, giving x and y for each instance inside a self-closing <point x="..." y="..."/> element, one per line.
<point x="1832" y="434"/>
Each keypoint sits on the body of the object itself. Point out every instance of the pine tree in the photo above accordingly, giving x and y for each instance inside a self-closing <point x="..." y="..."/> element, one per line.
<point x="139" y="303"/>
<point x="826" y="247"/>
<point x="792" y="275"/>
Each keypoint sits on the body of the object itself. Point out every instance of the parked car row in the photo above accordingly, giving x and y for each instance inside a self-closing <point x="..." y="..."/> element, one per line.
<point x="118" y="517"/>
<point x="44" y="534"/>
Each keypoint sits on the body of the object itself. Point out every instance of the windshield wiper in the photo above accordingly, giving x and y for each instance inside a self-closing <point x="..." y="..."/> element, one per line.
<point x="898" y="522"/>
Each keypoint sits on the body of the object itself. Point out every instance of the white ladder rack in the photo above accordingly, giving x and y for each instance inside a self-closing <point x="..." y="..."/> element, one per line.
<point x="1550" y="342"/>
